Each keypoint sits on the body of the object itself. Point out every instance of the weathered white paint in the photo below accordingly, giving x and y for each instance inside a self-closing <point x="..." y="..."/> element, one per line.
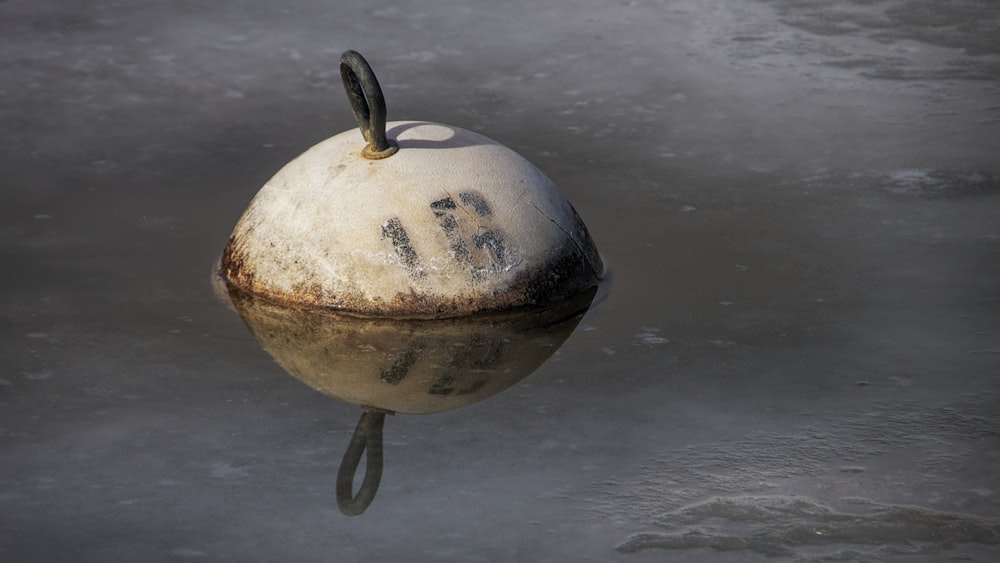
<point x="454" y="223"/>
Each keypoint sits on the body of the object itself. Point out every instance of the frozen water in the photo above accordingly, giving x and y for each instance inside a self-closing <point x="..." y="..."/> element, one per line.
<point x="852" y="455"/>
<point x="798" y="359"/>
<point x="789" y="526"/>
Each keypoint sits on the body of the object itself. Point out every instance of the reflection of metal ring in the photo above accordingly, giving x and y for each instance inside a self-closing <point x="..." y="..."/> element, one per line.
<point x="367" y="436"/>
<point x="367" y="103"/>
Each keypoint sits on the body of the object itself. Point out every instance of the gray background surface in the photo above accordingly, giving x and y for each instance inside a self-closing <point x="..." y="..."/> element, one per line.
<point x="798" y="358"/>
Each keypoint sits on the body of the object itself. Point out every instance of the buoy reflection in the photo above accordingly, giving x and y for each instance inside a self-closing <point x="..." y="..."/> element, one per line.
<point x="389" y="366"/>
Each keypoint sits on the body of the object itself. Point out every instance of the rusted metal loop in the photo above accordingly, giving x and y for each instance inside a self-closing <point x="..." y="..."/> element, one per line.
<point x="367" y="103"/>
<point x="367" y="436"/>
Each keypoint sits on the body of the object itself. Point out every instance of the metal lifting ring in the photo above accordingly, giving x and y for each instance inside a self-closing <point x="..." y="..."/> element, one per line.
<point x="367" y="103"/>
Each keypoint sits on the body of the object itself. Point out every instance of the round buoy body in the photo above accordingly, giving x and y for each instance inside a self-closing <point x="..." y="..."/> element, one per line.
<point x="452" y="224"/>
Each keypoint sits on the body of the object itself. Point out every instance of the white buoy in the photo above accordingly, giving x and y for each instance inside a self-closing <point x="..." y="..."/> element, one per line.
<point x="409" y="219"/>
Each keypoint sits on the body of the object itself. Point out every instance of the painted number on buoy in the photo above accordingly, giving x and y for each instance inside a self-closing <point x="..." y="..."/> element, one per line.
<point x="473" y="242"/>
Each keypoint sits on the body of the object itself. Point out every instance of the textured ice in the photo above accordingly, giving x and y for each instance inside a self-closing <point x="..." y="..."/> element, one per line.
<point x="827" y="167"/>
<point x="883" y="39"/>
<point x="780" y="526"/>
<point x="852" y="452"/>
<point x="941" y="183"/>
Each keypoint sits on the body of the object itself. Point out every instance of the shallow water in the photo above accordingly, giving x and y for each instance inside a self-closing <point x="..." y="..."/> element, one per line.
<point x="797" y="359"/>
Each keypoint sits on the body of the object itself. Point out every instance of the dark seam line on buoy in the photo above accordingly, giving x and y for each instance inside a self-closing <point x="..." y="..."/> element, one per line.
<point x="573" y="240"/>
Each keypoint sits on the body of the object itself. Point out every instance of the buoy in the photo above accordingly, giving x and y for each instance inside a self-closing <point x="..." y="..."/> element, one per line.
<point x="407" y="267"/>
<point x="409" y="219"/>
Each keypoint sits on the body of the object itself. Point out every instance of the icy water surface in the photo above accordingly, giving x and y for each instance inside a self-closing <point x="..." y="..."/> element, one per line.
<point x="798" y="358"/>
